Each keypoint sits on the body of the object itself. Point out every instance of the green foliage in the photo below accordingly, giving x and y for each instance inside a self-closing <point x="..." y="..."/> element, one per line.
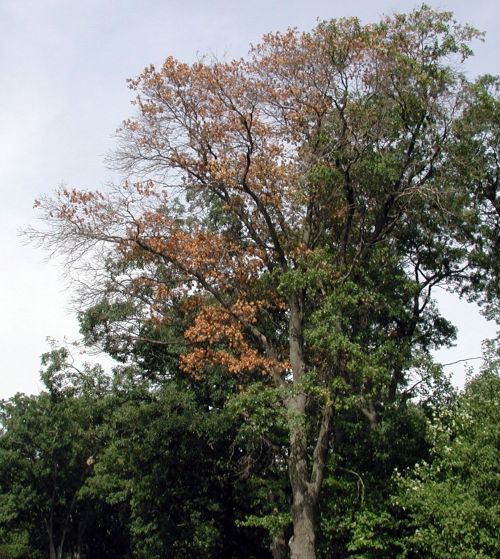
<point x="15" y="544"/>
<point x="358" y="485"/>
<point x="447" y="505"/>
<point x="475" y="157"/>
<point x="167" y="463"/>
<point x="262" y="461"/>
<point x="48" y="445"/>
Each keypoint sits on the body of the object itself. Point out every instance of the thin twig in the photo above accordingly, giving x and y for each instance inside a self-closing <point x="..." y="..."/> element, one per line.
<point x="460" y="361"/>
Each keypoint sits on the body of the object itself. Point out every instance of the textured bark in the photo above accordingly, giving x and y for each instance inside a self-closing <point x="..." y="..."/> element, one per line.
<point x="279" y="548"/>
<point x="302" y="543"/>
<point x="305" y="482"/>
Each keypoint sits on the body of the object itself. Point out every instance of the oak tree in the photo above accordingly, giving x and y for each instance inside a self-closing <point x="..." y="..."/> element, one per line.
<point x="289" y="214"/>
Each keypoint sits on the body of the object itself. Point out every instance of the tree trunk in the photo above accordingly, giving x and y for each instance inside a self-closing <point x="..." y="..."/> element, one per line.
<point x="279" y="548"/>
<point x="52" y="548"/>
<point x="50" y="534"/>
<point x="305" y="480"/>
<point x="302" y="543"/>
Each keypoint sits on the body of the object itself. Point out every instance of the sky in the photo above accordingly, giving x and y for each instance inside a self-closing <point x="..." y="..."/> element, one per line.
<point x="63" y="93"/>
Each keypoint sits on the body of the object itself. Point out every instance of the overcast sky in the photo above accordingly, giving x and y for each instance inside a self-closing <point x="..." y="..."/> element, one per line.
<point x="63" y="66"/>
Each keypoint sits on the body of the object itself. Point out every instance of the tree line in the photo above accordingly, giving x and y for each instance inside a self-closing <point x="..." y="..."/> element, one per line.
<point x="133" y="466"/>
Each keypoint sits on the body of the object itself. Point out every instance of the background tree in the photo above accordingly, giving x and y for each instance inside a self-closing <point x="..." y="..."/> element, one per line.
<point x="476" y="158"/>
<point x="447" y="505"/>
<point x="47" y="447"/>
<point x="290" y="215"/>
<point x="168" y="465"/>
